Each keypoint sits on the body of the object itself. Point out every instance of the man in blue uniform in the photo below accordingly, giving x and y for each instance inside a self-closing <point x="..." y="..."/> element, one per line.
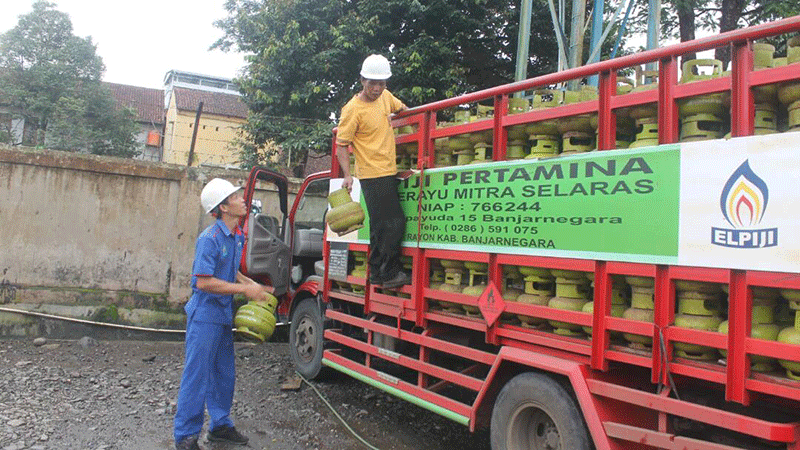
<point x="208" y="373"/>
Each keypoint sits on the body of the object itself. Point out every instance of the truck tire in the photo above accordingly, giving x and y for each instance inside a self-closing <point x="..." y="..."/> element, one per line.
<point x="306" y="340"/>
<point x="533" y="412"/>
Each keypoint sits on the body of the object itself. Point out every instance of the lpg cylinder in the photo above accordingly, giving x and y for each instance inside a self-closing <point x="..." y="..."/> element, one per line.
<point x="625" y="131"/>
<point x="359" y="271"/>
<point x="577" y="131"/>
<point x="543" y="146"/>
<point x="701" y="116"/>
<point x="482" y="153"/>
<point x="642" y="305"/>
<point x="517" y="106"/>
<point x="255" y="320"/>
<point x="345" y="215"/>
<point x="699" y="308"/>
<point x="543" y="99"/>
<point x="701" y="127"/>
<point x="572" y="293"/>
<point x="646" y="80"/>
<point x="476" y="284"/>
<point x="443" y="153"/>
<point x="437" y="274"/>
<point x="763" y="59"/>
<point x="515" y="150"/>
<point x="647" y="132"/>
<point x="763" y="326"/>
<point x="539" y="289"/>
<point x="512" y="280"/>
<point x="789" y="92"/>
<point x="619" y="300"/>
<point x="453" y="273"/>
<point x="462" y="148"/>
<point x="577" y="142"/>
<point x="791" y="335"/>
<point x="794" y="115"/>
<point x="793" y="50"/>
<point x="402" y="157"/>
<point x="412" y="151"/>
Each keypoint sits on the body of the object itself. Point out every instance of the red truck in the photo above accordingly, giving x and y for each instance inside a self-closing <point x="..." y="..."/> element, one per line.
<point x="640" y="296"/>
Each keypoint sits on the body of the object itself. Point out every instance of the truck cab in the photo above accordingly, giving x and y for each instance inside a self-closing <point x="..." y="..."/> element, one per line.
<point x="283" y="246"/>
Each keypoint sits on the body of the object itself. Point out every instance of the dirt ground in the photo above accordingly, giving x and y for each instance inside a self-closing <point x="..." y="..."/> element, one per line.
<point x="102" y="395"/>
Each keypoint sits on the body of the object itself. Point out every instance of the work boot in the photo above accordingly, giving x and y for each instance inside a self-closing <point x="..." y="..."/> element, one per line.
<point x="401" y="279"/>
<point x="187" y="443"/>
<point x="227" y="434"/>
<point x="375" y="280"/>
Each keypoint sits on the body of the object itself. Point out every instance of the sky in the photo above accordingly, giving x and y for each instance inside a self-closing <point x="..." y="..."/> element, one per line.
<point x="140" y="41"/>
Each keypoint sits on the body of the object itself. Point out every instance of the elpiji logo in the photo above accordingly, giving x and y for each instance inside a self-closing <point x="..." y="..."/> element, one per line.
<point x="743" y="202"/>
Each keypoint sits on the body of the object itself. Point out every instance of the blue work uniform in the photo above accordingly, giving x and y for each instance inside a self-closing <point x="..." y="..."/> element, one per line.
<point x="208" y="372"/>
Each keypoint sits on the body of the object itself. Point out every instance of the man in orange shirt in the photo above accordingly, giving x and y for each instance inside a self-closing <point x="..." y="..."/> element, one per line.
<point x="365" y="125"/>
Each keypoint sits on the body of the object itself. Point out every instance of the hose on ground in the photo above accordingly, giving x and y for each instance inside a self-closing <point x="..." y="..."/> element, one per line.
<point x="324" y="400"/>
<point x="102" y="324"/>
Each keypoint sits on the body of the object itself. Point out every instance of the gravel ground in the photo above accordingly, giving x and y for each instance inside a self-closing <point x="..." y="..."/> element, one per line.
<point x="121" y="395"/>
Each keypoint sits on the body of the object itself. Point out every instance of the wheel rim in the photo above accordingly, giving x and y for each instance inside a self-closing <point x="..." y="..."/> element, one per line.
<point x="531" y="428"/>
<point x="306" y="339"/>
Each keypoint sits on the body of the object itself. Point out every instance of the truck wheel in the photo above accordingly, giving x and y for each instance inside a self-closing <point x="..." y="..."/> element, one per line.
<point x="305" y="339"/>
<point x="533" y="412"/>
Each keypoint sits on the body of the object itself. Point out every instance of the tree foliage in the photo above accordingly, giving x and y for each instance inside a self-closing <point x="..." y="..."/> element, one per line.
<point x="51" y="78"/>
<point x="306" y="56"/>
<point x="684" y="18"/>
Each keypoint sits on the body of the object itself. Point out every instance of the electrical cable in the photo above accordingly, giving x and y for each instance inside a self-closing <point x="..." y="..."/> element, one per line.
<point x="321" y="397"/>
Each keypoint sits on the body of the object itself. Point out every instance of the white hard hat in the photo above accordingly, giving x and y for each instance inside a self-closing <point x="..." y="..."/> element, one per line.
<point x="376" y="67"/>
<point x="215" y="192"/>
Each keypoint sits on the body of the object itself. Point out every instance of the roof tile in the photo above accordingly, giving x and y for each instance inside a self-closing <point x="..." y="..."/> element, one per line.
<point x="213" y="102"/>
<point x="147" y="103"/>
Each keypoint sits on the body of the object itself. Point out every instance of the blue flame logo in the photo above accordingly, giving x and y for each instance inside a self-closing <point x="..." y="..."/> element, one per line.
<point x="744" y="198"/>
<point x="743" y="203"/>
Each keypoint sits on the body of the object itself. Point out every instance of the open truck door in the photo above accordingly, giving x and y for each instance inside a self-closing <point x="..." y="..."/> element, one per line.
<point x="267" y="251"/>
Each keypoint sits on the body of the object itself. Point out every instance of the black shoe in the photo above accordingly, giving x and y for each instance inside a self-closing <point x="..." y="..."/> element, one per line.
<point x="227" y="434"/>
<point x="401" y="279"/>
<point x="188" y="443"/>
<point x="375" y="280"/>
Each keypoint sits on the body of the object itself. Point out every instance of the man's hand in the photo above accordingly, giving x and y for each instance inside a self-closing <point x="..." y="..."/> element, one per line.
<point x="267" y="289"/>
<point x="348" y="183"/>
<point x="253" y="291"/>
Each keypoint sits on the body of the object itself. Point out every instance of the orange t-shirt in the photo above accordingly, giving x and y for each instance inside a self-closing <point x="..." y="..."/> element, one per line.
<point x="366" y="126"/>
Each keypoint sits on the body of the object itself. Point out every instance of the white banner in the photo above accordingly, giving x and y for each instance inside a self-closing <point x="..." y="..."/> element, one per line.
<point x="739" y="203"/>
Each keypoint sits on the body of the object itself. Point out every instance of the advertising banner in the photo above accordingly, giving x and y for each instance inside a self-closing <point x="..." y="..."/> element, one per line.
<point x="721" y="203"/>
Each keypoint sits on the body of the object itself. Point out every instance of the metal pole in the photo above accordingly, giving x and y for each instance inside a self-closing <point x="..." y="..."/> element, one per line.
<point x="562" y="13"/>
<point x="595" y="55"/>
<point x="194" y="133"/>
<point x="562" y="54"/>
<point x="596" y="41"/>
<point x="523" y="42"/>
<point x="622" y="29"/>
<point x="653" y="24"/>
<point x="576" y="38"/>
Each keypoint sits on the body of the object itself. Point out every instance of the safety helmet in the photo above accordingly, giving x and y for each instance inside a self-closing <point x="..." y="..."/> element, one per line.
<point x="215" y="192"/>
<point x="376" y="67"/>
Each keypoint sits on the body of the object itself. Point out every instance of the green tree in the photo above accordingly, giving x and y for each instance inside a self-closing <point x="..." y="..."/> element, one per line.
<point x="51" y="78"/>
<point x="306" y="56"/>
<point x="683" y="18"/>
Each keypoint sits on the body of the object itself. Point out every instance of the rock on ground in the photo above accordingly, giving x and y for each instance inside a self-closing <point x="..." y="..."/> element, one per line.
<point x="121" y="395"/>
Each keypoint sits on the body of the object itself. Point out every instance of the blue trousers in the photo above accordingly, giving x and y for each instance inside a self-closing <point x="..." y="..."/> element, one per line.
<point x="208" y="378"/>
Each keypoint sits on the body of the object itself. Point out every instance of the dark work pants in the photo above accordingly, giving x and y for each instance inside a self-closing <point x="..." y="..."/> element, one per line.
<point x="387" y="223"/>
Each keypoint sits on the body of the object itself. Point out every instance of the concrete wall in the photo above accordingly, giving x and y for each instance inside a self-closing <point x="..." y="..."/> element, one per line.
<point x="80" y="233"/>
